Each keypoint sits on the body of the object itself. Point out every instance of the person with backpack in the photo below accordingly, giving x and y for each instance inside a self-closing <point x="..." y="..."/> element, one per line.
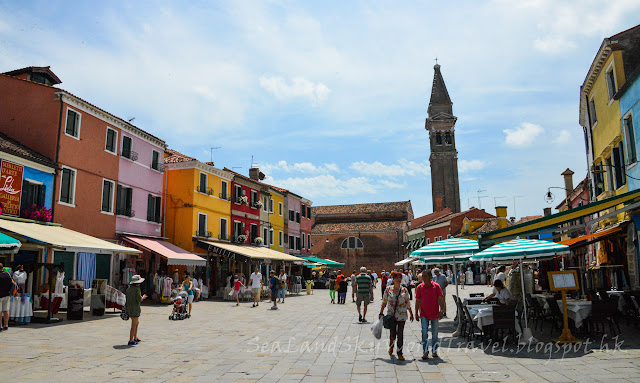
<point x="7" y="288"/>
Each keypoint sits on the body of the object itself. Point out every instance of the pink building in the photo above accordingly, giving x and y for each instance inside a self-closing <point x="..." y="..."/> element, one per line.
<point x="305" y="226"/>
<point x="139" y="202"/>
<point x="294" y="206"/>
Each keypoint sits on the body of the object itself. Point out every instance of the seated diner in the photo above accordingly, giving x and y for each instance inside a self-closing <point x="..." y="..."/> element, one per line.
<point x="500" y="292"/>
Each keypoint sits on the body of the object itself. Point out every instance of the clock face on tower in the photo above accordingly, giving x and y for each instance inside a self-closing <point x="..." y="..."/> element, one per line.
<point x="440" y="124"/>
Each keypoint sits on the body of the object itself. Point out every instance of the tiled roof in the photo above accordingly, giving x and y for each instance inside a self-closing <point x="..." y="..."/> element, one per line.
<point x="12" y="146"/>
<point x="243" y="177"/>
<point x="35" y="69"/>
<point x="363" y="208"/>
<point x="417" y="222"/>
<point x="490" y="226"/>
<point x="358" y="227"/>
<point x="528" y="218"/>
<point x="173" y="157"/>
<point x="449" y="217"/>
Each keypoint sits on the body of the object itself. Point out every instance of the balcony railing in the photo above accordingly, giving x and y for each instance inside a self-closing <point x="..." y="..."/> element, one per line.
<point x="205" y="190"/>
<point x="204" y="234"/>
<point x="224" y="196"/>
<point x="157" y="166"/>
<point x="130" y="154"/>
<point x="125" y="212"/>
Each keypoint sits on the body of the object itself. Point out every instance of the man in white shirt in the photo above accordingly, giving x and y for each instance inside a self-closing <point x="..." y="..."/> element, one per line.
<point x="256" y="284"/>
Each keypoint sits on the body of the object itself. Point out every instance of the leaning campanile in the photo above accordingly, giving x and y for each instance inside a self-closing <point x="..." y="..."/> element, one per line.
<point x="440" y="123"/>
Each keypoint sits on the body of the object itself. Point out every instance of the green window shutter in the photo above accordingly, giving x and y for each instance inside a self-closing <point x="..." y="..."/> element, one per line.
<point x="150" y="207"/>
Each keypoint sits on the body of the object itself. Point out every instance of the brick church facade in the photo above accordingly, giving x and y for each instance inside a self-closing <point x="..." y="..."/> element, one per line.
<point x="371" y="235"/>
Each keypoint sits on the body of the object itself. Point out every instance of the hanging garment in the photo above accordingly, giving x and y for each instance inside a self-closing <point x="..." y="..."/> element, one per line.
<point x="166" y="291"/>
<point x="86" y="268"/>
<point x="59" y="289"/>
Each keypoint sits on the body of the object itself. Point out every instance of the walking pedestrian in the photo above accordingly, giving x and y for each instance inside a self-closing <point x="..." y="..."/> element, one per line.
<point x="385" y="279"/>
<point x="373" y="284"/>
<point x="132" y="305"/>
<point x="501" y="275"/>
<point x="273" y="286"/>
<point x="5" y="285"/>
<point x="441" y="280"/>
<point x="363" y="288"/>
<point x="332" y="287"/>
<point x="430" y="309"/>
<point x="282" y="288"/>
<point x="342" y="291"/>
<point x="187" y="286"/>
<point x="353" y="285"/>
<point x="236" y="289"/>
<point x="396" y="299"/>
<point x="256" y="285"/>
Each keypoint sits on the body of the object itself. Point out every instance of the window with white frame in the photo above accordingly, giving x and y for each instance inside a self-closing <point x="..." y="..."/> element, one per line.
<point x="309" y="240"/>
<point x="238" y="193"/>
<point x="72" y="125"/>
<point x="428" y="241"/>
<point x="280" y="209"/>
<point x="632" y="154"/>
<point x="611" y="82"/>
<point x="223" y="228"/>
<point x="265" y="204"/>
<point x="254" y="197"/>
<point x="223" y="189"/>
<point x="154" y="207"/>
<point x="619" y="174"/>
<point x="124" y="201"/>
<point x="237" y="229"/>
<point x="68" y="185"/>
<point x="155" y="160"/>
<point x="202" y="225"/>
<point x="352" y="243"/>
<point x="302" y="238"/>
<point x="609" y="172"/>
<point x="304" y="211"/>
<point x="127" y="148"/>
<point x="265" y="236"/>
<point x="449" y="236"/>
<point x="107" y="196"/>
<point x="271" y="205"/>
<point x="271" y="239"/>
<point x="280" y="240"/>
<point x="111" y="142"/>
<point x="202" y="185"/>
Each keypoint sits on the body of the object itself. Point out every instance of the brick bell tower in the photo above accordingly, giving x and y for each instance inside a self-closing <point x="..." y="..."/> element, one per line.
<point x="440" y="123"/>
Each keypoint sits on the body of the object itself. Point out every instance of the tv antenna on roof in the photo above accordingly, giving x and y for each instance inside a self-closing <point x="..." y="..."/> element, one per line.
<point x="480" y="197"/>
<point x="212" y="149"/>
<point x="131" y="119"/>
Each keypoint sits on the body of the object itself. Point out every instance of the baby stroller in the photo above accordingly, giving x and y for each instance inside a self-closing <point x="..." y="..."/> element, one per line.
<point x="179" y="307"/>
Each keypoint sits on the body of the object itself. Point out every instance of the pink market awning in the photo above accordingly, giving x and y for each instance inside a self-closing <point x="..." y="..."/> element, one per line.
<point x="174" y="254"/>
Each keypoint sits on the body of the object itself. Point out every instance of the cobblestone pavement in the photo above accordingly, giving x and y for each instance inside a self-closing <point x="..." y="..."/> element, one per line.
<point x="306" y="340"/>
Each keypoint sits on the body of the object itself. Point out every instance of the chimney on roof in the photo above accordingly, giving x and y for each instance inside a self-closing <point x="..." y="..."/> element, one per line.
<point x="547" y="211"/>
<point x="512" y="219"/>
<point x="438" y="203"/>
<point x="254" y="174"/>
<point x="501" y="213"/>
<point x="568" y="181"/>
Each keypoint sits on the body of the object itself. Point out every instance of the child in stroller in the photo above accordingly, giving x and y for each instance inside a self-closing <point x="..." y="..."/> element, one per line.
<point x="179" y="308"/>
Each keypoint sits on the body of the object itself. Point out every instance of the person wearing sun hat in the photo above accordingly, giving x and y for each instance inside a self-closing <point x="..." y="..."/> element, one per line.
<point x="134" y="299"/>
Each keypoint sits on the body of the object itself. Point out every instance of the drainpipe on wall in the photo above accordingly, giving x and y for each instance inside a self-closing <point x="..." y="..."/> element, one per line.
<point x="55" y="174"/>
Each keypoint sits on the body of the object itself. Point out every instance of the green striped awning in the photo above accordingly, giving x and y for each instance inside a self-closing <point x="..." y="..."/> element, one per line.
<point x="445" y="251"/>
<point x="521" y="249"/>
<point x="327" y="262"/>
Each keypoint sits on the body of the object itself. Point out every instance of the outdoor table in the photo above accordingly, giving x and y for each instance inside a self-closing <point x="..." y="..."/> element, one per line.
<point x="484" y="316"/>
<point x="618" y="295"/>
<point x="577" y="309"/>
<point x="465" y="300"/>
<point x="20" y="309"/>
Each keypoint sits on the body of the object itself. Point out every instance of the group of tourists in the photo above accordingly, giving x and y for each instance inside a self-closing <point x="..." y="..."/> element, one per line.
<point x="277" y="287"/>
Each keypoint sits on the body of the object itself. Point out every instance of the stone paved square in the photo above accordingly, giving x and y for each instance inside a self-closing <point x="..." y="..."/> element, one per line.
<point x="306" y="340"/>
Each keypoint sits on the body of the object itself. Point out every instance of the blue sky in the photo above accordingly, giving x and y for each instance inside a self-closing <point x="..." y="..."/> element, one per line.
<point x="330" y="97"/>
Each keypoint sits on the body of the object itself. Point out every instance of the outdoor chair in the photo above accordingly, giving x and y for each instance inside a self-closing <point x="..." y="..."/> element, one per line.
<point x="631" y="312"/>
<point x="476" y="295"/>
<point x="461" y="316"/>
<point x="556" y="316"/>
<point x="603" y="294"/>
<point x="504" y="320"/>
<point x="536" y="312"/>
<point x="603" y="313"/>
<point x="471" y="327"/>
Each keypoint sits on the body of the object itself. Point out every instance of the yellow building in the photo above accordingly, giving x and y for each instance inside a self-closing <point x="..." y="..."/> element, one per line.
<point x="197" y="201"/>
<point x="600" y="115"/>
<point x="276" y="217"/>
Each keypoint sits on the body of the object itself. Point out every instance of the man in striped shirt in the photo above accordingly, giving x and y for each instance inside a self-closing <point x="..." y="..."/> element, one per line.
<point x="363" y="288"/>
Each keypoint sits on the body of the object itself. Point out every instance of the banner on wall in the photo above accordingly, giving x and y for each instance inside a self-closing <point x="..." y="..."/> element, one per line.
<point x="10" y="187"/>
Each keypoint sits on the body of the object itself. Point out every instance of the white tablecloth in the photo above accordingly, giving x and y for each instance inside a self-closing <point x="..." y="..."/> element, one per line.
<point x="577" y="310"/>
<point x="484" y="316"/>
<point x="20" y="308"/>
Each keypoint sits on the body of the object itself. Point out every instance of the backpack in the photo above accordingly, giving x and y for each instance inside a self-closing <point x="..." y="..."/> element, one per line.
<point x="13" y="287"/>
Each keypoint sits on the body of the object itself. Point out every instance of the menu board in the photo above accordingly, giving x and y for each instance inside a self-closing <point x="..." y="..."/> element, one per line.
<point x="563" y="280"/>
<point x="10" y="187"/>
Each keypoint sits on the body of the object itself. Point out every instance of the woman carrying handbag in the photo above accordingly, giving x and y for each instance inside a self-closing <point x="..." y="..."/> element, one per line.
<point x="397" y="298"/>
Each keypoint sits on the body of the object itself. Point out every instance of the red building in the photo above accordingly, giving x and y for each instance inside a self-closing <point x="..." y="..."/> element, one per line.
<point x="245" y="207"/>
<point x="451" y="224"/>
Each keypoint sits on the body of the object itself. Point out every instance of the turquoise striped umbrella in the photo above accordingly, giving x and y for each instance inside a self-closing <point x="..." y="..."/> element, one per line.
<point x="448" y="247"/>
<point x="8" y="244"/>
<point x="521" y="249"/>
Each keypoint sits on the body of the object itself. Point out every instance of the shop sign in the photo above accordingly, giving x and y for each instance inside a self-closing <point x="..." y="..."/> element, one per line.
<point x="10" y="187"/>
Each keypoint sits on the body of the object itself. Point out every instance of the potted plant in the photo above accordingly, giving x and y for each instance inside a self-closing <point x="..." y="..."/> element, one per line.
<point x="257" y="205"/>
<point x="258" y="241"/>
<point x="241" y="238"/>
<point x="242" y="200"/>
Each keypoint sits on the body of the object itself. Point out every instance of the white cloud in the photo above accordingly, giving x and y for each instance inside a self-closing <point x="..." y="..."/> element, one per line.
<point x="401" y="169"/>
<point x="326" y="186"/>
<point x="299" y="87"/>
<point x="563" y="137"/>
<point x="300" y="167"/>
<point x="469" y="165"/>
<point x="524" y="135"/>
